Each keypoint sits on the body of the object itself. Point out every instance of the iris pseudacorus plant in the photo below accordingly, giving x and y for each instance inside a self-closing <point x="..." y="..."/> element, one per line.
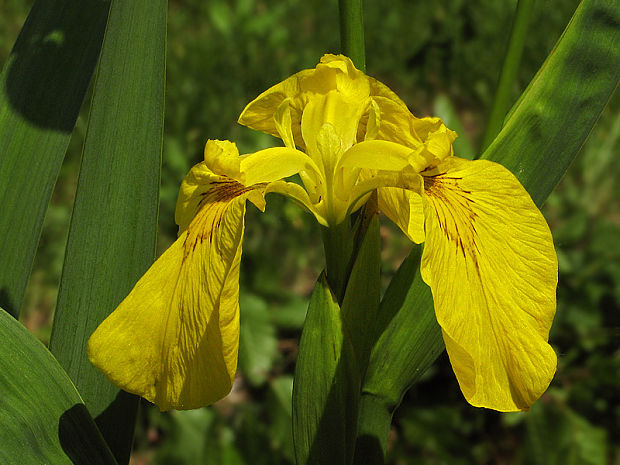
<point x="488" y="253"/>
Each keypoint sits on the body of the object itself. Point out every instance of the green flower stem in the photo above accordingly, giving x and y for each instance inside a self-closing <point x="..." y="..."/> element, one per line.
<point x="352" y="32"/>
<point x="338" y="240"/>
<point x="338" y="244"/>
<point x="509" y="72"/>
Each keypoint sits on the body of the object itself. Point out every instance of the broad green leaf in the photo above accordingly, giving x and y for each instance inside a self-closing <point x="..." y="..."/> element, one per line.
<point x="42" y="87"/>
<point x="112" y="235"/>
<point x="408" y="342"/>
<point x="363" y="293"/>
<point x="42" y="417"/>
<point x="541" y="136"/>
<point x="326" y="385"/>
<point x="257" y="341"/>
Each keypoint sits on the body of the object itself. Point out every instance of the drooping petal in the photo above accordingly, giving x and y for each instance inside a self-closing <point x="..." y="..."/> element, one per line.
<point x="192" y="194"/>
<point x="257" y="169"/>
<point x="174" y="339"/>
<point x="492" y="269"/>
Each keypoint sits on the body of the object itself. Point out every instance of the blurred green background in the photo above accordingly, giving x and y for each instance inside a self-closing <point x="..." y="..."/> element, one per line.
<point x="435" y="55"/>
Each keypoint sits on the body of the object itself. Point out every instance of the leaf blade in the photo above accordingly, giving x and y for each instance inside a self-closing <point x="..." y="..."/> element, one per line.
<point x="326" y="385"/>
<point x="42" y="87"/>
<point x="113" y="228"/>
<point x="42" y="417"/>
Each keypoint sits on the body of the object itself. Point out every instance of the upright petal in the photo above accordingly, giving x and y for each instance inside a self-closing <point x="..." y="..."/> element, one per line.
<point x="259" y="113"/>
<point x="491" y="266"/>
<point x="174" y="339"/>
<point x="333" y="73"/>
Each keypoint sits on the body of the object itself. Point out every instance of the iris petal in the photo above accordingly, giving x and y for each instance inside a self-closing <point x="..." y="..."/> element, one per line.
<point x="259" y="113"/>
<point x="404" y="208"/>
<point x="174" y="339"/>
<point x="491" y="266"/>
<point x="275" y="163"/>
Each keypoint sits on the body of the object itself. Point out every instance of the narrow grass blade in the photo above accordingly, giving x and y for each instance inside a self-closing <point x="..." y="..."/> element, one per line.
<point x="42" y="88"/>
<point x="113" y="228"/>
<point x="42" y="417"/>
<point x="510" y="68"/>
<point x="542" y="135"/>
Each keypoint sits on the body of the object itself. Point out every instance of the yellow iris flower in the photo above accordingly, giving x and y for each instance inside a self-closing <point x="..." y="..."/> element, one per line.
<point x="488" y="255"/>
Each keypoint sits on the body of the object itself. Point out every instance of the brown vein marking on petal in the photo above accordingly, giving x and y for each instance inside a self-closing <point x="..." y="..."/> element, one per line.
<point x="210" y="209"/>
<point x="454" y="210"/>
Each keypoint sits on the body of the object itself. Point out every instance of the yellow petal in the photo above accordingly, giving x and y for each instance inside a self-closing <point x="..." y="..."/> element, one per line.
<point x="396" y="123"/>
<point x="491" y="266"/>
<point x="337" y="72"/>
<point x="192" y="194"/>
<point x="275" y="163"/>
<point x="429" y="136"/>
<point x="398" y="192"/>
<point x="403" y="207"/>
<point x="174" y="339"/>
<point x="259" y="113"/>
<point x="335" y="110"/>
<point x="334" y="73"/>
<point x="377" y="155"/>
<point x="222" y="157"/>
<point x="284" y="123"/>
<point x="300" y="196"/>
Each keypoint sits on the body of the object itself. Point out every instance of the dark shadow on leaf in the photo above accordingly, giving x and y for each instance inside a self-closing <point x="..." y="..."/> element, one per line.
<point x="117" y="424"/>
<point x="59" y="38"/>
<point x="368" y="449"/>
<point x="7" y="303"/>
<point x="81" y="440"/>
